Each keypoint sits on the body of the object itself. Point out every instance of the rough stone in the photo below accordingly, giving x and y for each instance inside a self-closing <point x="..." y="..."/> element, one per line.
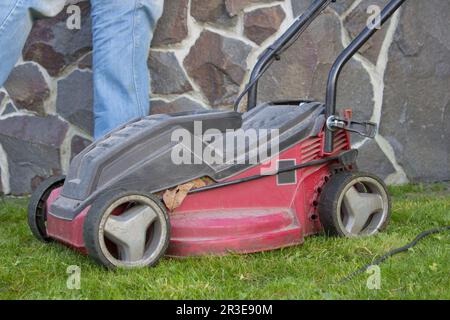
<point x="179" y="105"/>
<point x="354" y="22"/>
<point x="303" y="71"/>
<point x="2" y="191"/>
<point x="218" y="65"/>
<point x="9" y="108"/>
<point x="211" y="11"/>
<point x="300" y="6"/>
<point x="78" y="144"/>
<point x="260" y="24"/>
<point x="372" y="159"/>
<point x="233" y="7"/>
<point x="33" y="148"/>
<point x="172" y="26"/>
<point x="167" y="75"/>
<point x="2" y="96"/>
<point x="86" y="62"/>
<point x="416" y="106"/>
<point x="54" y="46"/>
<point x="27" y="87"/>
<point x="357" y="20"/>
<point x="74" y="100"/>
<point x="342" y="6"/>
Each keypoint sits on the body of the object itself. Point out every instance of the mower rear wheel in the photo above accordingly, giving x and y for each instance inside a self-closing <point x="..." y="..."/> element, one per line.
<point x="37" y="208"/>
<point x="354" y="204"/>
<point x="126" y="229"/>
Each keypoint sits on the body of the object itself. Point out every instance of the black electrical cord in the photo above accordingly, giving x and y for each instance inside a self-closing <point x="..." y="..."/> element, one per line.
<point x="394" y="252"/>
<point x="345" y="159"/>
<point x="261" y="176"/>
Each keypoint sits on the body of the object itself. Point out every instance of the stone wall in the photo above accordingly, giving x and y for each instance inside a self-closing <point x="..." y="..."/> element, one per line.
<point x="200" y="58"/>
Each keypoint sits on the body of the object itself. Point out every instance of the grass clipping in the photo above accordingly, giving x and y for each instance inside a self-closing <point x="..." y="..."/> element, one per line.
<point x="175" y="197"/>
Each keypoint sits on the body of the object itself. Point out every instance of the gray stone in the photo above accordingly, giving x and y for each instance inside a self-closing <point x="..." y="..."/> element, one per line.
<point x="167" y="75"/>
<point x="261" y="23"/>
<point x="2" y="191"/>
<point x="54" y="46"/>
<point x="78" y="144"/>
<point x="303" y="71"/>
<point x="179" y="105"/>
<point x="233" y="7"/>
<point x="2" y="97"/>
<point x="357" y="20"/>
<point x="74" y="100"/>
<point x="9" y="108"/>
<point x="172" y="26"/>
<point x="218" y="65"/>
<point x="212" y="11"/>
<point x="33" y="148"/>
<point x="342" y="6"/>
<point x="27" y="87"/>
<point x="86" y="62"/>
<point x="1" y="183"/>
<point x="372" y="159"/>
<point x="300" y="6"/>
<point x="416" y="106"/>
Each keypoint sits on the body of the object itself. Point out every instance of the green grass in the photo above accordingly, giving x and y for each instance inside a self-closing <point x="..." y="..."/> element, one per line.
<point x="30" y="270"/>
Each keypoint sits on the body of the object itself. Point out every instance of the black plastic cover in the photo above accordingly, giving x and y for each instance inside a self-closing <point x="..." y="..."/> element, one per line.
<point x="138" y="155"/>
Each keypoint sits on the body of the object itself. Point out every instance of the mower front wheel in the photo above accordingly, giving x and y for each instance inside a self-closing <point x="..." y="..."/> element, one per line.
<point x="126" y="229"/>
<point x="37" y="208"/>
<point x="354" y="204"/>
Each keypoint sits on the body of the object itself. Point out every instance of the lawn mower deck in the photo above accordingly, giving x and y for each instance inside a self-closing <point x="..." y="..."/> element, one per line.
<point x="112" y="205"/>
<point x="268" y="213"/>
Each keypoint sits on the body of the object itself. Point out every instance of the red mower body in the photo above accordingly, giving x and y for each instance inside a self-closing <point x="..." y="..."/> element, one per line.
<point x="260" y="215"/>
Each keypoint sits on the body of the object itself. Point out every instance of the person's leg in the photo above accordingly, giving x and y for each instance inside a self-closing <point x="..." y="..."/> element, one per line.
<point x="122" y="32"/>
<point x="15" y="24"/>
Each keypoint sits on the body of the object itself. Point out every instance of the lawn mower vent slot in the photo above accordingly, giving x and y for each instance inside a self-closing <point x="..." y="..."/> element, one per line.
<point x="341" y="141"/>
<point x="311" y="149"/>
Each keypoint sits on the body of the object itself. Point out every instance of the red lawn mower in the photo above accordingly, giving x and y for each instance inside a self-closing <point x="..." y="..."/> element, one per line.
<point x="113" y="203"/>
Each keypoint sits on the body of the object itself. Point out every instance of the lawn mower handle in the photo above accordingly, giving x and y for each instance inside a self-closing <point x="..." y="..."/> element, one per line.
<point x="282" y="43"/>
<point x="292" y="33"/>
<point x="341" y="61"/>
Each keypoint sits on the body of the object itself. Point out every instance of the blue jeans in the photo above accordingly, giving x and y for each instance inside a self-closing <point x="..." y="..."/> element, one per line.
<point x="122" y="32"/>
